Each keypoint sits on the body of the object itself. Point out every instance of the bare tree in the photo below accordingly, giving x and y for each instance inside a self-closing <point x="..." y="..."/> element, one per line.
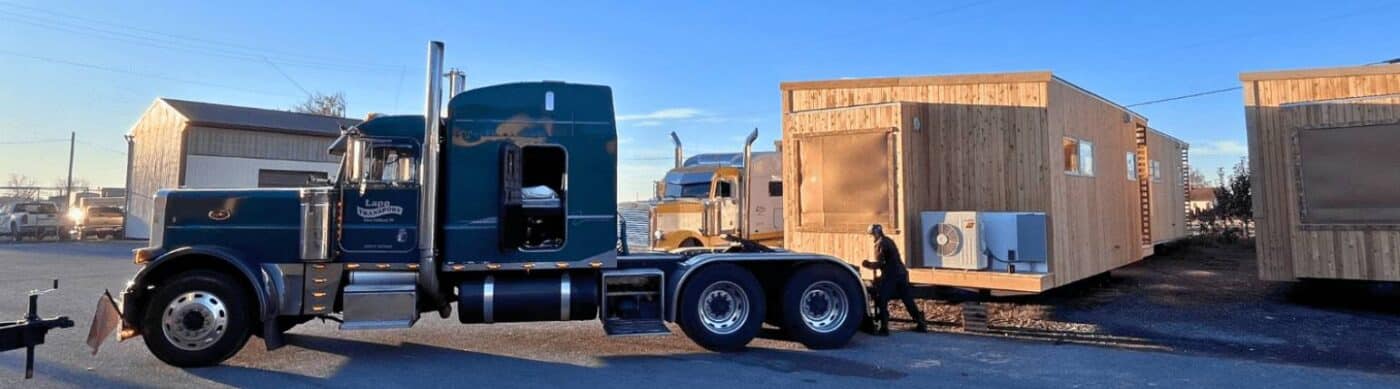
<point x="322" y="104"/>
<point x="79" y="184"/>
<point x="21" y="187"/>
<point x="1196" y="178"/>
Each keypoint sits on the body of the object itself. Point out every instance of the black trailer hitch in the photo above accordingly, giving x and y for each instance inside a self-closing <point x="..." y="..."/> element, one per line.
<point x="29" y="332"/>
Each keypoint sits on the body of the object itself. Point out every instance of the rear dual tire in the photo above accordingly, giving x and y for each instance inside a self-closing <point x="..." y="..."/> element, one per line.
<point x="722" y="307"/>
<point x="823" y="306"/>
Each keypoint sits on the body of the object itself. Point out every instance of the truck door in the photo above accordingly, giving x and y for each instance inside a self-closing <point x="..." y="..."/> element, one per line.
<point x="722" y="212"/>
<point x="380" y="205"/>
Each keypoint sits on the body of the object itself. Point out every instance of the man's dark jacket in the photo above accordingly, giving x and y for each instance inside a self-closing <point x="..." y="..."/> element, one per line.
<point x="887" y="258"/>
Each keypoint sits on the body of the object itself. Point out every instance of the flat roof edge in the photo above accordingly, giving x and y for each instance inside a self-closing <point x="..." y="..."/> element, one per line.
<point x="1101" y="98"/>
<point x="950" y="79"/>
<point x="1344" y="71"/>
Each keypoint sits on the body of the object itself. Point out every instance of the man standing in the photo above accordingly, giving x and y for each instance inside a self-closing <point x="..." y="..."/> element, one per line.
<point x="891" y="282"/>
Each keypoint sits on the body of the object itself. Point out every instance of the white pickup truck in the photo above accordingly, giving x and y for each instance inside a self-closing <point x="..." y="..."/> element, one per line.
<point x="31" y="219"/>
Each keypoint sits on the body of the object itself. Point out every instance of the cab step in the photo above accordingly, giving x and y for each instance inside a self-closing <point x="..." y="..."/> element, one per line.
<point x="635" y="327"/>
<point x="380" y="300"/>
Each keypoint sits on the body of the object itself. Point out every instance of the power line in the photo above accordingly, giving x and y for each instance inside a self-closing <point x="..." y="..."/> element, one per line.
<point x="1183" y="97"/>
<point x="101" y="147"/>
<point x="855" y="35"/>
<point x="32" y="142"/>
<point x="128" y="72"/>
<point x="289" y="77"/>
<point x="180" y="43"/>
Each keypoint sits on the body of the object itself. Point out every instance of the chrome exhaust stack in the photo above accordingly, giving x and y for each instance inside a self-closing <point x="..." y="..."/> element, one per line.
<point x="744" y="185"/>
<point x="456" y="83"/>
<point x="680" y="155"/>
<point x="428" y="177"/>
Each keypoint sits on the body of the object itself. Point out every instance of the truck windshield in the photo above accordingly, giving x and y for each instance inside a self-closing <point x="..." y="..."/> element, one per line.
<point x="37" y="208"/>
<point x="696" y="190"/>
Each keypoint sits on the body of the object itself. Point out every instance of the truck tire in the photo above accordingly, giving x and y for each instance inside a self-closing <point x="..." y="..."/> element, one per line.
<point x="690" y="242"/>
<point x="722" y="307"/>
<point x="198" y="318"/>
<point x="822" y="306"/>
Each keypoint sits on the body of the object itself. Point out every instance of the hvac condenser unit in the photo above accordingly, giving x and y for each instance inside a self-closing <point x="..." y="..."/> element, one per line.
<point x="951" y="240"/>
<point x="997" y="241"/>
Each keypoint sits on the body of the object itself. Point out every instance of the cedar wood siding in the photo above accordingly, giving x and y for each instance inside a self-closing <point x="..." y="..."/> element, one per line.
<point x="1168" y="193"/>
<point x="1095" y="222"/>
<point x="1286" y="250"/>
<point x="988" y="142"/>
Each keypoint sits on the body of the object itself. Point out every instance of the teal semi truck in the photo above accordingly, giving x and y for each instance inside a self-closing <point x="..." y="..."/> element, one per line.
<point x="505" y="207"/>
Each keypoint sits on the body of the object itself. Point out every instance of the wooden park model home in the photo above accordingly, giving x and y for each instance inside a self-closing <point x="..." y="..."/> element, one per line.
<point x="1018" y="182"/>
<point x="1324" y="147"/>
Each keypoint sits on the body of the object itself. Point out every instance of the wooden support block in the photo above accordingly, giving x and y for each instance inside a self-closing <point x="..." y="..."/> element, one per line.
<point x="974" y="316"/>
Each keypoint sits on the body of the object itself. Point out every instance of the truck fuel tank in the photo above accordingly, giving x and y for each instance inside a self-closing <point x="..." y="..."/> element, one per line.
<point x="524" y="297"/>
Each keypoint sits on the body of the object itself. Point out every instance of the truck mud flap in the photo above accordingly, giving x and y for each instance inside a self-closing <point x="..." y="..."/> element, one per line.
<point x="107" y="318"/>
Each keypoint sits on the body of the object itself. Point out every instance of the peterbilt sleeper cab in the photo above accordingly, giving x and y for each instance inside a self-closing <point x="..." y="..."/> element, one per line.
<point x="504" y="207"/>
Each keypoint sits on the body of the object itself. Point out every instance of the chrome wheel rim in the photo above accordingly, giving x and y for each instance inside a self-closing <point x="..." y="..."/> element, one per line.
<point x="724" y="307"/>
<point x="824" y="307"/>
<point x="195" y="320"/>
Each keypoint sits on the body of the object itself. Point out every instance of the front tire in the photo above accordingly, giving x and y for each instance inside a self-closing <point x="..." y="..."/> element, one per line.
<point x="198" y="318"/>
<point x="722" y="307"/>
<point x="823" y="306"/>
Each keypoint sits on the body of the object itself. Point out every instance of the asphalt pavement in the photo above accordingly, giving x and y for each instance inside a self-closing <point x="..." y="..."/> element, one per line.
<point x="441" y="352"/>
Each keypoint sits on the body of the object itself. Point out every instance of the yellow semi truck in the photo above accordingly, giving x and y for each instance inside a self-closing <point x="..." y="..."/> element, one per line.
<point x="707" y="196"/>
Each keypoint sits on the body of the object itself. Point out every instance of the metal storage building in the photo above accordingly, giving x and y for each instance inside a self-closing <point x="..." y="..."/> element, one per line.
<point x="1324" y="148"/>
<point x="885" y="150"/>
<point x="187" y="144"/>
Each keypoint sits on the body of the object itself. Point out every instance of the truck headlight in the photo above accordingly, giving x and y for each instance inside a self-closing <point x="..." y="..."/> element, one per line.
<point x="657" y="235"/>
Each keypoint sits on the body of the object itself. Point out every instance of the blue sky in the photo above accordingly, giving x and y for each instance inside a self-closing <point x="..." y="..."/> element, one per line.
<point x="708" y="70"/>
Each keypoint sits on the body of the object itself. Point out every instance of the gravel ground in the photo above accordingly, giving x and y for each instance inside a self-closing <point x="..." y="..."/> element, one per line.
<point x="1202" y="298"/>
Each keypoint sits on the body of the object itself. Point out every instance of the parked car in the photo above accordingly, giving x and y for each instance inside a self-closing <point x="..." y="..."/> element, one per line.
<point x="31" y="219"/>
<point x="100" y="221"/>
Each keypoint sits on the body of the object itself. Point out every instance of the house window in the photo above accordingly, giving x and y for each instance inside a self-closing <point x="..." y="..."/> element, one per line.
<point x="1132" y="166"/>
<point x="775" y="188"/>
<point x="1079" y="157"/>
<point x="1156" y="171"/>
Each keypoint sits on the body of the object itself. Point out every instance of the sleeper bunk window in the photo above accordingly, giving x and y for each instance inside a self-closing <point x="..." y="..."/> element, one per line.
<point x="1348" y="175"/>
<point x="846" y="180"/>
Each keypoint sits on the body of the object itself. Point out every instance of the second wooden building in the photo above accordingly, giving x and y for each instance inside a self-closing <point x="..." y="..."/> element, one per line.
<point x="1014" y="182"/>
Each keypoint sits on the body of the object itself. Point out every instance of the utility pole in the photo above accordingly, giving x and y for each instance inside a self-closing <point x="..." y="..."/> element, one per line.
<point x="68" y="187"/>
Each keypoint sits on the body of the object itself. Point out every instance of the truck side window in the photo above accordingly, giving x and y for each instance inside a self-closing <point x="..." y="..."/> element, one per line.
<point x="724" y="189"/>
<point x="387" y="165"/>
<point x="399" y="167"/>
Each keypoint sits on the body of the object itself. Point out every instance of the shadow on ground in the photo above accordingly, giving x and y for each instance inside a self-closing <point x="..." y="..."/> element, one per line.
<point x="364" y="364"/>
<point x="1201" y="298"/>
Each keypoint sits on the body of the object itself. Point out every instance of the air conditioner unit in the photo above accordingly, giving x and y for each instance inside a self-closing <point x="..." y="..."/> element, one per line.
<point x="951" y="240"/>
<point x="995" y="241"/>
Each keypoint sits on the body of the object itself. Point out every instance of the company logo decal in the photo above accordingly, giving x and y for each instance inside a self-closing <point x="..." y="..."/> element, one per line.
<point x="378" y="209"/>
